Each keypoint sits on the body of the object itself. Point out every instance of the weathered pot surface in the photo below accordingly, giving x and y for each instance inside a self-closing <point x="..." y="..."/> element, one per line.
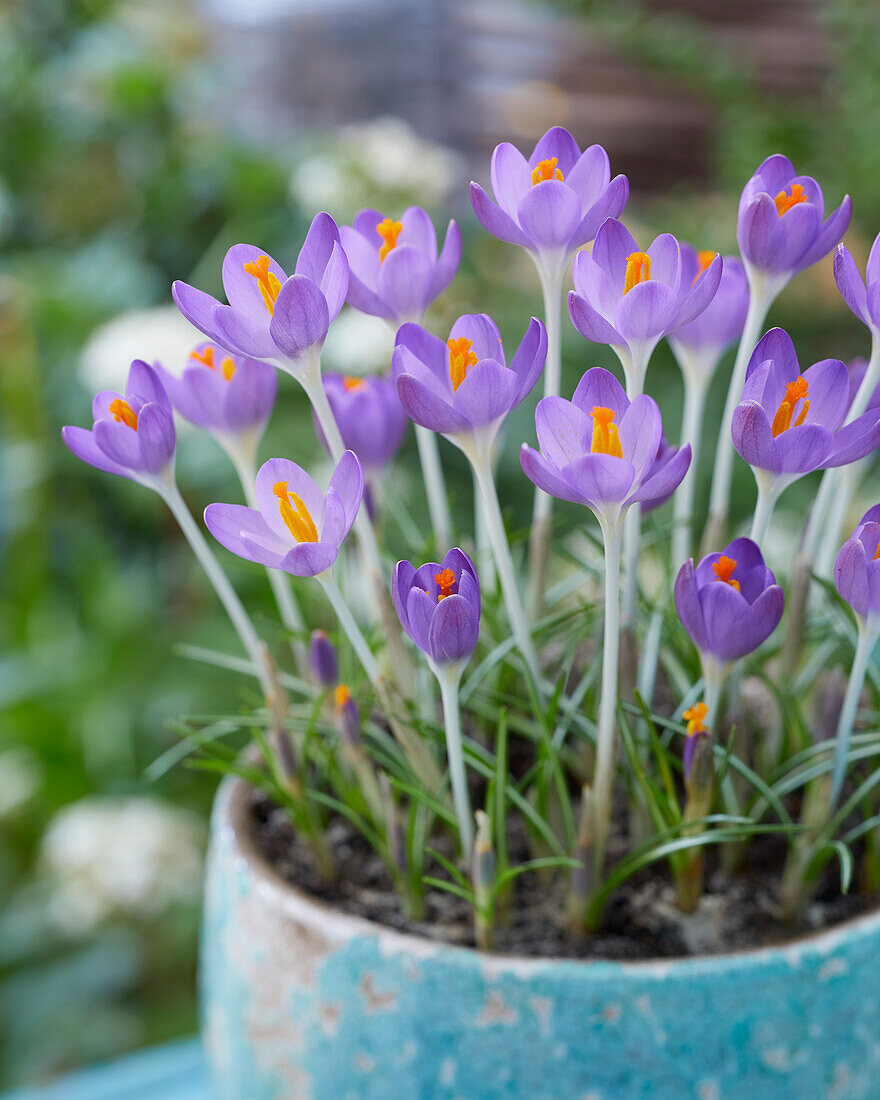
<point x="302" y="1002"/>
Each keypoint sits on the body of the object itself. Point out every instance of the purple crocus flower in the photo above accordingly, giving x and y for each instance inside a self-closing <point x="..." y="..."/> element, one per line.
<point x="322" y="659"/>
<point x="554" y="202"/>
<point x="857" y="567"/>
<point x="369" y="416"/>
<point x="788" y="423"/>
<point x="226" y="394"/>
<point x="780" y="227"/>
<point x="701" y="342"/>
<point x="463" y="386"/>
<point x="295" y="527"/>
<point x="439" y="606"/>
<point x="600" y="449"/>
<point x="630" y="299"/>
<point x="395" y="270"/>
<point x="861" y="295"/>
<point x="730" y="603"/>
<point x="271" y="315"/>
<point x="132" y="436"/>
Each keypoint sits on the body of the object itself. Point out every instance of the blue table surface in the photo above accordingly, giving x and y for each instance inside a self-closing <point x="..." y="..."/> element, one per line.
<point x="173" y="1072"/>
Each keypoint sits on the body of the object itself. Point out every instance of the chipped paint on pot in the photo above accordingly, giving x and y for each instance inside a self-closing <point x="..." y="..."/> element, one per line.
<point x="302" y="1002"/>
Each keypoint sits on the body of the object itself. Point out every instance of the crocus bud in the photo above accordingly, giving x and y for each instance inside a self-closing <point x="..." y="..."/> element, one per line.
<point x="322" y="659"/>
<point x="698" y="763"/>
<point x="348" y="719"/>
<point x="483" y="880"/>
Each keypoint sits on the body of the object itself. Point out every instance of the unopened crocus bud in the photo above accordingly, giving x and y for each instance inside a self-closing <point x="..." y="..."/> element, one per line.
<point x="348" y="718"/>
<point x="483" y="880"/>
<point x="322" y="659"/>
<point x="698" y="760"/>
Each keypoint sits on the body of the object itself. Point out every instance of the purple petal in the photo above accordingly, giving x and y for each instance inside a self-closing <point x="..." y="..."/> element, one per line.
<point x="803" y="449"/>
<point x="851" y="576"/>
<point x="348" y="482"/>
<point x="776" y="345"/>
<point x="590" y="176"/>
<point x="529" y="358"/>
<point x="83" y="444"/>
<point x="405" y="282"/>
<point x="665" y="254"/>
<point x="420" y="609"/>
<point x="665" y="479"/>
<point x="250" y="394"/>
<point x="758" y="232"/>
<point x="641" y="432"/>
<point x="401" y="583"/>
<point x="599" y="387"/>
<point x="301" y="318"/>
<point x="610" y="204"/>
<point x="308" y="559"/>
<point x="600" y="478"/>
<point x="828" y="392"/>
<point x="317" y="248"/>
<point x="646" y="311"/>
<point x="689" y="608"/>
<point x="119" y="443"/>
<point x="850" y="283"/>
<point x="144" y="386"/>
<point x="335" y="280"/>
<point x="547" y="477"/>
<point x="155" y="431"/>
<point x="298" y="481"/>
<point x="701" y="293"/>
<point x="614" y="245"/>
<point x="244" y="334"/>
<point x="832" y="231"/>
<point x="418" y="232"/>
<point x="590" y="323"/>
<point x="487" y="393"/>
<point x="753" y="438"/>
<point x="454" y="630"/>
<point x="557" y="142"/>
<point x="229" y="523"/>
<point x="549" y="213"/>
<point x="494" y="220"/>
<point x="564" y="430"/>
<point x="872" y="271"/>
<point x="423" y="406"/>
<point x="856" y="440"/>
<point x="593" y="283"/>
<point x="483" y="333"/>
<point x="197" y="307"/>
<point x="511" y="177"/>
<point x="242" y="289"/>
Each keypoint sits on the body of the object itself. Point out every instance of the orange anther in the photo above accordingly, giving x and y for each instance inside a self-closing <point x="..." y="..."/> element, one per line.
<point x="785" y="200"/>
<point x="695" y="716"/>
<point x="352" y="382"/>
<point x="446" y="580"/>
<point x="461" y="358"/>
<point x="295" y="514"/>
<point x="389" y="231"/>
<point x="342" y="695"/>
<point x="723" y="570"/>
<point x="546" y="170"/>
<point x="794" y="392"/>
<point x="123" y="413"/>
<point x="638" y="270"/>
<point x="267" y="280"/>
<point x="606" y="439"/>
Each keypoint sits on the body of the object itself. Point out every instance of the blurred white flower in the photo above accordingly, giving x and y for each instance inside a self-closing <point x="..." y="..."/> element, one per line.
<point x="150" y="334"/>
<point x="358" y="344"/>
<point x="20" y="778"/>
<point x="132" y="857"/>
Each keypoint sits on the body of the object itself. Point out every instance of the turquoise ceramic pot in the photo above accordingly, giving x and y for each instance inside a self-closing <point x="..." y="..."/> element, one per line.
<point x="304" y="1003"/>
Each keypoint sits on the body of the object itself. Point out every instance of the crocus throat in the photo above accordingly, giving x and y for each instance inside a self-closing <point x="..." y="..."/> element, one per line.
<point x="295" y="514"/>
<point x="267" y="280"/>
<point x="638" y="270"/>
<point x="546" y="170"/>
<point x="795" y="392"/>
<point x="389" y="231"/>
<point x="446" y="579"/>
<point x="123" y="413"/>
<point x="785" y="200"/>
<point x="606" y="439"/>
<point x="723" y="570"/>
<point x="352" y="382"/>
<point x="695" y="716"/>
<point x="206" y="358"/>
<point x="461" y="358"/>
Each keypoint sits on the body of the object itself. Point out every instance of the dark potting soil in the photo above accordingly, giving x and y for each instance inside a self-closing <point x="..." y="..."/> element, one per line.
<point x="739" y="910"/>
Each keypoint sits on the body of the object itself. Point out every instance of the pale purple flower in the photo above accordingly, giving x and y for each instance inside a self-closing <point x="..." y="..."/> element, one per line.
<point x="630" y="299"/>
<point x="789" y="423"/>
<point x="857" y="567"/>
<point x="600" y="449"/>
<point x="463" y="385"/>
<point x="270" y="314"/>
<point x="438" y="605"/>
<point x="861" y="295"/>
<point x="132" y="435"/>
<point x="369" y="416"/>
<point x="703" y="341"/>
<point x="780" y="226"/>
<point x="554" y="202"/>
<point x="295" y="527"/>
<point x="730" y="603"/>
<point x="395" y="270"/>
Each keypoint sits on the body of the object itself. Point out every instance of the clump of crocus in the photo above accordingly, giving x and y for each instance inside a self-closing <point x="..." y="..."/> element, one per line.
<point x="601" y="449"/>
<point x="729" y="604"/>
<point x="857" y="579"/>
<point x="438" y="605"/>
<point x="395" y="270"/>
<point x="630" y="298"/>
<point x="788" y="424"/>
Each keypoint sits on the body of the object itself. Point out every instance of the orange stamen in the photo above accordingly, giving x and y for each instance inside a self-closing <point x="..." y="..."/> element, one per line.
<point x="794" y="392"/>
<point x="461" y="358"/>
<point x="606" y="439"/>
<point x="695" y="716"/>
<point x="546" y="170"/>
<point x="123" y="413"/>
<point x="723" y="570"/>
<point x="351" y="382"/>
<point x="206" y="358"/>
<point x="446" y="579"/>
<point x="785" y="201"/>
<point x="267" y="280"/>
<point x="389" y="231"/>
<point x="877" y="552"/>
<point x="295" y="514"/>
<point x="704" y="259"/>
<point x="342" y="695"/>
<point x="638" y="270"/>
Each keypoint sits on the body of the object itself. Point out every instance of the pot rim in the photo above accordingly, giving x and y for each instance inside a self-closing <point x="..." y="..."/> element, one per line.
<point x="230" y="814"/>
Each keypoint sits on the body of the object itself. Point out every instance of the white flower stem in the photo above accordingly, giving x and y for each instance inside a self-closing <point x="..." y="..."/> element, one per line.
<point x="481" y="463"/>
<point x="761" y="297"/>
<point x="836" y="489"/>
<point x="606" y="738"/>
<point x="435" y="488"/>
<point x="350" y="627"/>
<point x="713" y="680"/>
<point x="542" y="514"/>
<point x="233" y="605"/>
<point x="768" y="494"/>
<point x="243" y="459"/>
<point x="847" y="480"/>
<point x="635" y="367"/>
<point x="868" y="633"/>
<point x="485" y="560"/>
<point x="448" y="677"/>
<point x="696" y="385"/>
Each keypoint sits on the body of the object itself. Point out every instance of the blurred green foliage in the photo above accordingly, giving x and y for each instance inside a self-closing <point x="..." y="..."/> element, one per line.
<point x="115" y="178"/>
